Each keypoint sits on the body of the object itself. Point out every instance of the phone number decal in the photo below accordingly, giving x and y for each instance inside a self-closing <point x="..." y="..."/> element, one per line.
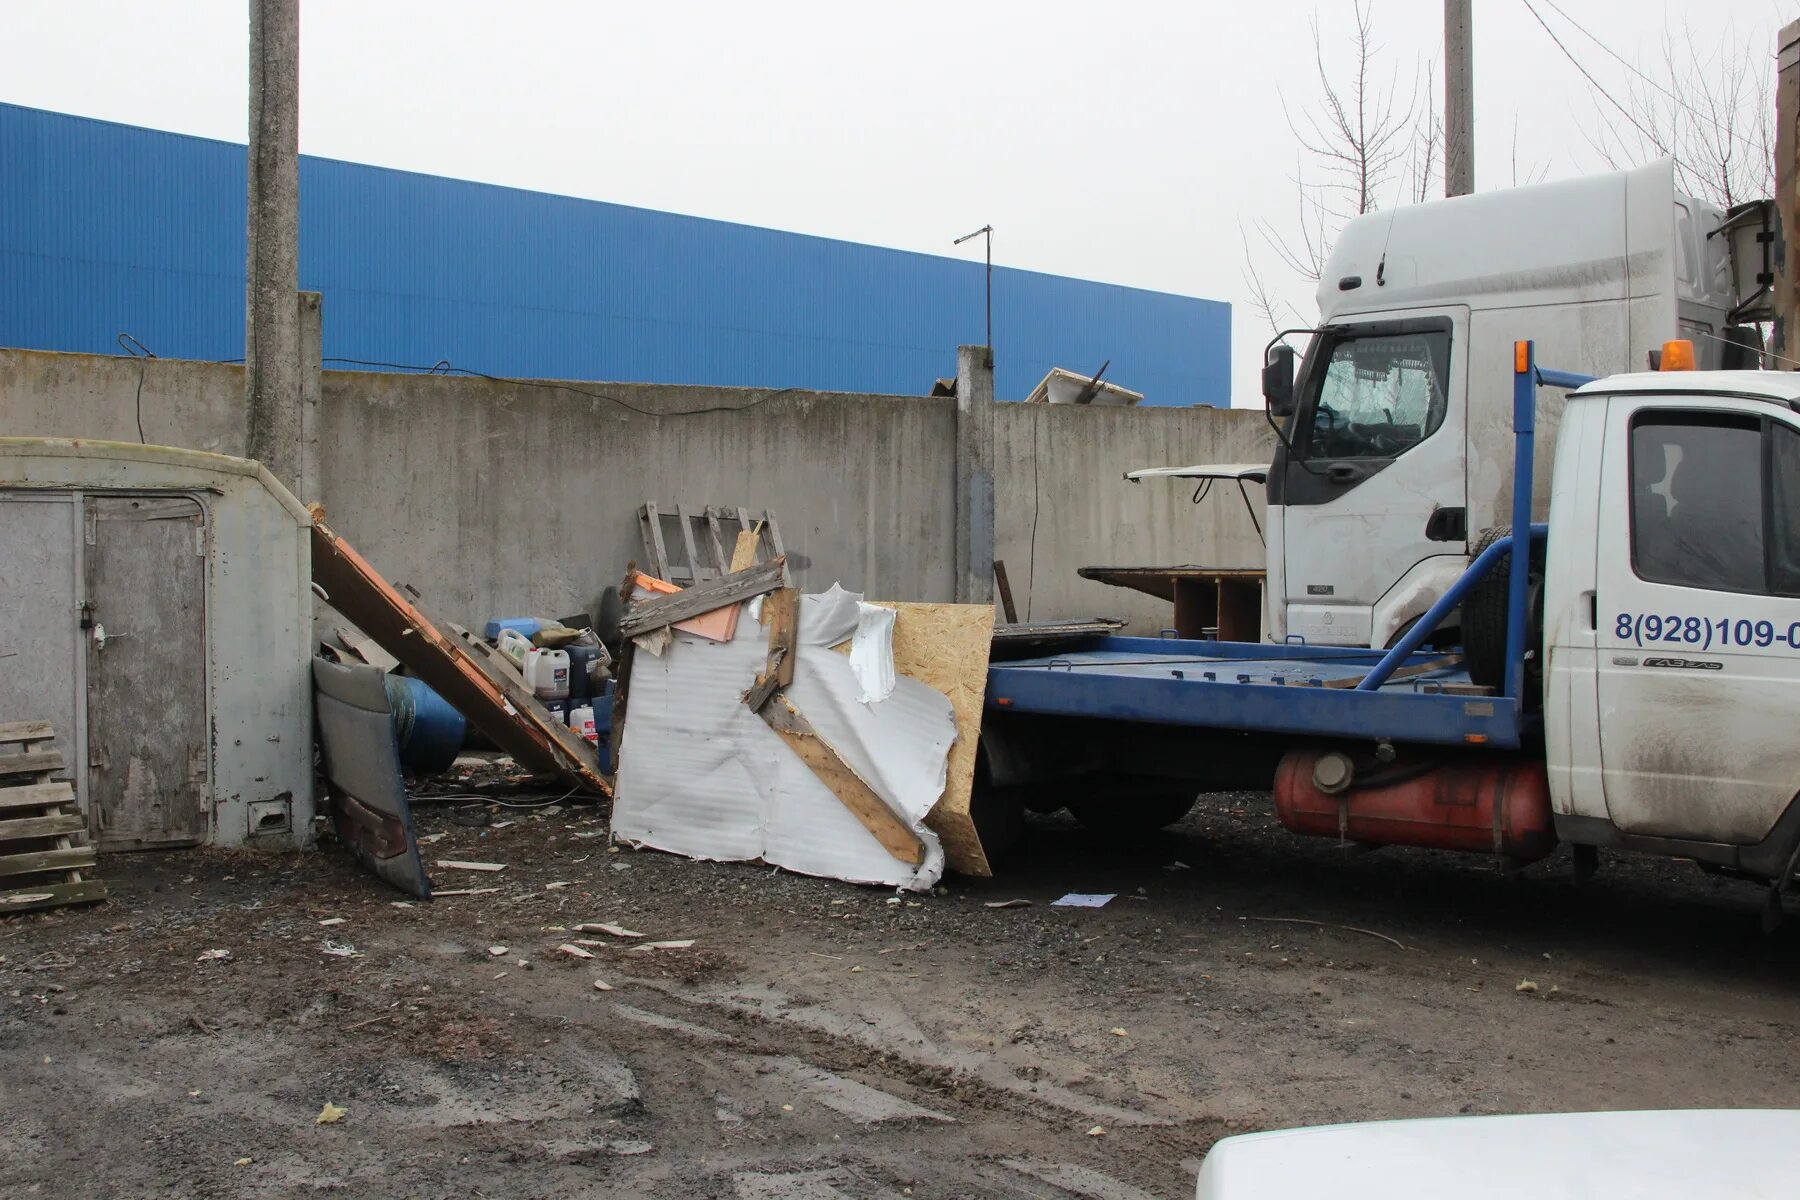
<point x="1675" y="628"/>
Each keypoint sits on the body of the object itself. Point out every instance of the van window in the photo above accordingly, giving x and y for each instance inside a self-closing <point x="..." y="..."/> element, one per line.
<point x="1697" y="501"/>
<point x="1784" y="510"/>
<point x="1377" y="396"/>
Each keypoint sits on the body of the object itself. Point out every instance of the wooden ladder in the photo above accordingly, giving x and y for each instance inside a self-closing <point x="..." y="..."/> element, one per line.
<point x="45" y="858"/>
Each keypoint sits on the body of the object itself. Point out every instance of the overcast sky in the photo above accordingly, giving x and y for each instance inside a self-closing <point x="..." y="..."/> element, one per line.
<point x="1124" y="142"/>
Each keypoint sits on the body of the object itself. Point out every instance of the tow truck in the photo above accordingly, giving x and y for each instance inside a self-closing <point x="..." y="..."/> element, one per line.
<point x="1650" y="660"/>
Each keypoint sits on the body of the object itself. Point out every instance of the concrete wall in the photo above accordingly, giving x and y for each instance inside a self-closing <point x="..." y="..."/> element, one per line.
<point x="503" y="500"/>
<point x="1062" y="502"/>
<point x="499" y="499"/>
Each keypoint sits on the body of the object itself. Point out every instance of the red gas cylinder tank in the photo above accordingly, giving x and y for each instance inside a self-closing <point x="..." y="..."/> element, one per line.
<point x="1485" y="804"/>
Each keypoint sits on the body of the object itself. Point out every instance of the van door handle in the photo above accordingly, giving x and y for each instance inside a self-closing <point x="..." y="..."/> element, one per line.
<point x="1341" y="473"/>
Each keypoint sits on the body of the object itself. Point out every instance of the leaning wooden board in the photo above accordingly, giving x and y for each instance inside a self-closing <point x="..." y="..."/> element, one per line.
<point x="945" y="647"/>
<point x="494" y="703"/>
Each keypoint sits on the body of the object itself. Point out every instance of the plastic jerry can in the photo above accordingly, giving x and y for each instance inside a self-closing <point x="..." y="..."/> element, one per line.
<point x="547" y="673"/>
<point x="515" y="646"/>
<point x="581" y="720"/>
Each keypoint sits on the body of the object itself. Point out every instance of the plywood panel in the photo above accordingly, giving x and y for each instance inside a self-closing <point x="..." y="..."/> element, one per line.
<point x="945" y="646"/>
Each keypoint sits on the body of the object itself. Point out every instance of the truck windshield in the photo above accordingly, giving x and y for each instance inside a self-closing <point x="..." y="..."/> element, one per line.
<point x="1376" y="395"/>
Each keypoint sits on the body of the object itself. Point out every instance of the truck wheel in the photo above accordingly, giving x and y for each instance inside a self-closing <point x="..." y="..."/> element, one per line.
<point x="1132" y="810"/>
<point x="1484" y="618"/>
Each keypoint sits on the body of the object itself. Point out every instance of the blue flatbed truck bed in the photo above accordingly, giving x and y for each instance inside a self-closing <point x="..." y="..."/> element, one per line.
<point x="1255" y="687"/>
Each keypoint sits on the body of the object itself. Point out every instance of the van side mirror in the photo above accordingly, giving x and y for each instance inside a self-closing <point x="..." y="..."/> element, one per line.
<point x="1278" y="381"/>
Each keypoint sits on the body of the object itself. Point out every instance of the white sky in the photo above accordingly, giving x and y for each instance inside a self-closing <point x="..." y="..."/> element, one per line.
<point x="1123" y="142"/>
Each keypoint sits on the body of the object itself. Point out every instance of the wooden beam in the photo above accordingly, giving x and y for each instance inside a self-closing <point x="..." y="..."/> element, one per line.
<point x="1006" y="600"/>
<point x="663" y="611"/>
<point x="781" y="614"/>
<point x="1413" y="672"/>
<point x="895" y="834"/>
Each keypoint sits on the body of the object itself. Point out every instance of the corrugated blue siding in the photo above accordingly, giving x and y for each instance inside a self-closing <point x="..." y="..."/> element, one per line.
<point x="107" y="228"/>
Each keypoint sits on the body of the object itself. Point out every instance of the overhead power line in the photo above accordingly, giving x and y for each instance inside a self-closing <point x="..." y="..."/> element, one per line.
<point x="1585" y="74"/>
<point x="1693" y="112"/>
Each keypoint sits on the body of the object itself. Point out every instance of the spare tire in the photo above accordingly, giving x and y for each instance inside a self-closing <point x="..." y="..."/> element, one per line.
<point x="1484" y="617"/>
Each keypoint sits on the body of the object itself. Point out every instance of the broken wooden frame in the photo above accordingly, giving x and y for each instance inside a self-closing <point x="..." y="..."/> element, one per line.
<point x="703" y="539"/>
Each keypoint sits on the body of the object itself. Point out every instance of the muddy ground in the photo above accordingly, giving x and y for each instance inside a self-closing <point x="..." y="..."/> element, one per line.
<point x="820" y="1040"/>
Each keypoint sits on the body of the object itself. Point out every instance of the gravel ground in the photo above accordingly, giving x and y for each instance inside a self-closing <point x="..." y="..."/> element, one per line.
<point x="821" y="1040"/>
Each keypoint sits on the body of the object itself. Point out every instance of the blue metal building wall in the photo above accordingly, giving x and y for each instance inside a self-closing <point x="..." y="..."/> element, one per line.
<point x="107" y="228"/>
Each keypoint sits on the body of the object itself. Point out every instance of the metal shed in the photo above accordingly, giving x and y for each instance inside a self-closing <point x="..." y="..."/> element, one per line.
<point x="155" y="606"/>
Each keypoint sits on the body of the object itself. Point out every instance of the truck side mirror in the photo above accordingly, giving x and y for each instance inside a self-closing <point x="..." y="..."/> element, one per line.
<point x="1278" y="381"/>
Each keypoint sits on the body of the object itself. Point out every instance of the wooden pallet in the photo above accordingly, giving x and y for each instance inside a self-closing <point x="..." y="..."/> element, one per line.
<point x="707" y="541"/>
<point x="45" y="858"/>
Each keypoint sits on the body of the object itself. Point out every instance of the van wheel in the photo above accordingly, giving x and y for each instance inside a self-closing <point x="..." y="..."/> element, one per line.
<point x="1484" y="618"/>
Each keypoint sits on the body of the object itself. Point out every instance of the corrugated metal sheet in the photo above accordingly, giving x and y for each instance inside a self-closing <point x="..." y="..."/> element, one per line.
<point x="107" y="228"/>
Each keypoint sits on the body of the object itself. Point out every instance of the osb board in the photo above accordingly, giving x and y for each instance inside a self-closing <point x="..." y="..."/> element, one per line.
<point x="945" y="646"/>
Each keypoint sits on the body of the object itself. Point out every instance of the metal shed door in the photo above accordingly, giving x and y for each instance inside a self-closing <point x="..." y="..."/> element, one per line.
<point x="145" y="615"/>
<point x="40" y="665"/>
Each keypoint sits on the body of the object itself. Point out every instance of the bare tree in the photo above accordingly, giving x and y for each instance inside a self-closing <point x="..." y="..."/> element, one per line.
<point x="1351" y="147"/>
<point x="1710" y="111"/>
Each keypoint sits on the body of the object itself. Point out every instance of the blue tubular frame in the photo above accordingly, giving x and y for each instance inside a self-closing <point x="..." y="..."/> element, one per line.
<point x="1526" y="380"/>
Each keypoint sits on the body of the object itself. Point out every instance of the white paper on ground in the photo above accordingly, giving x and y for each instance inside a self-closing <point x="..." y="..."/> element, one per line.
<point x="872" y="652"/>
<point x="1084" y="900"/>
<point x="702" y="775"/>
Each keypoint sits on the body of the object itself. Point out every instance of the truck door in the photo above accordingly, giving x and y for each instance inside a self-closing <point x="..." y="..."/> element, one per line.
<point x="1375" y="483"/>
<point x="1698" y="614"/>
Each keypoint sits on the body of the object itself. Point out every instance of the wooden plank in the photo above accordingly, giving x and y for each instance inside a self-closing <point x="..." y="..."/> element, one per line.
<point x="1005" y="585"/>
<point x="781" y="614"/>
<point x="1413" y="672"/>
<point x="892" y="831"/>
<point x="653" y="542"/>
<point x="47" y="860"/>
<point x="743" y="553"/>
<point x="25" y="731"/>
<point x="696" y="572"/>
<point x="51" y="895"/>
<point x="37" y="827"/>
<point x="26" y="764"/>
<point x="663" y="611"/>
<point x="712" y="537"/>
<point x="36" y="795"/>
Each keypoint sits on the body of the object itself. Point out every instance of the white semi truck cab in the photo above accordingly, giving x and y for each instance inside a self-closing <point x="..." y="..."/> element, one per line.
<point x="1396" y="450"/>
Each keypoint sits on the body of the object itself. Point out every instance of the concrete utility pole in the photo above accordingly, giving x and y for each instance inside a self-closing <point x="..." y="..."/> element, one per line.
<point x="272" y="255"/>
<point x="1459" y="100"/>
<point x="1786" y="338"/>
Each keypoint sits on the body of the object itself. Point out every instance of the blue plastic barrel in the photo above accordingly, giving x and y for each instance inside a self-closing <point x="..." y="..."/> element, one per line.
<point x="523" y="626"/>
<point x="427" y="730"/>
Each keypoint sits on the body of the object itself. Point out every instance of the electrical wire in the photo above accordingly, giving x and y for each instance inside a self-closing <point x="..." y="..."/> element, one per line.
<point x="1625" y="112"/>
<point x="443" y="366"/>
<point x="1634" y="69"/>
